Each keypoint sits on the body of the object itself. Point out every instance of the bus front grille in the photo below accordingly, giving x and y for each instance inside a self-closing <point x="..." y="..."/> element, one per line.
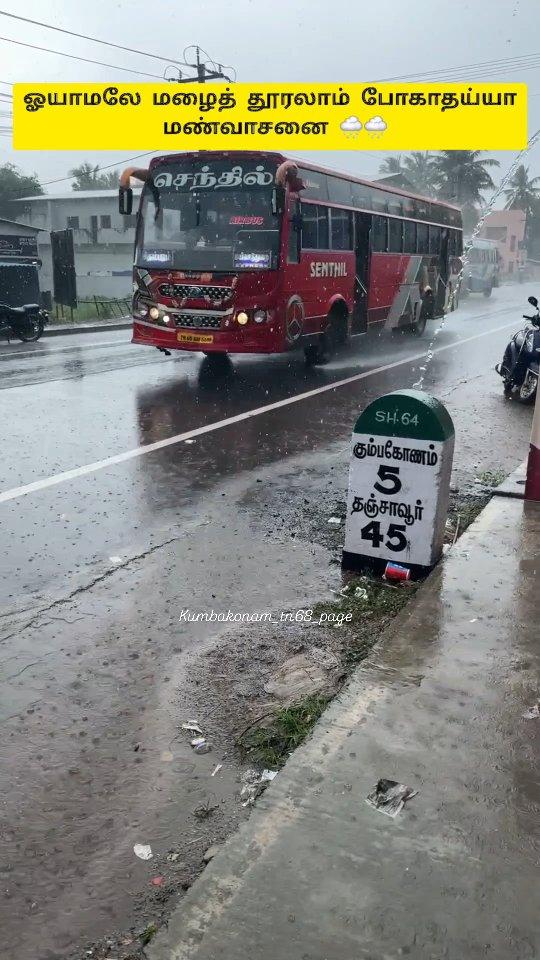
<point x="199" y="321"/>
<point x="185" y="291"/>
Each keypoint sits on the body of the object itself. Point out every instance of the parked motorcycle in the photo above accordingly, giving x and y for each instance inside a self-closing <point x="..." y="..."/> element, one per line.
<point x="25" y="322"/>
<point x="520" y="363"/>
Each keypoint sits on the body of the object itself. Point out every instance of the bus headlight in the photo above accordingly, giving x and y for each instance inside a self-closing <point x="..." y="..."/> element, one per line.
<point x="259" y="316"/>
<point x="242" y="318"/>
<point x="153" y="313"/>
<point x="167" y="318"/>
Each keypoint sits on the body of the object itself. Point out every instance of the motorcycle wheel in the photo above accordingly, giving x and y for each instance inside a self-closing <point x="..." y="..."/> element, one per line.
<point x="527" y="391"/>
<point x="33" y="331"/>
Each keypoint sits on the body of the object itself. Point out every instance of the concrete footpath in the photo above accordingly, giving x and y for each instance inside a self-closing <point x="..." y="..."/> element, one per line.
<point x="317" y="874"/>
<point x="61" y="329"/>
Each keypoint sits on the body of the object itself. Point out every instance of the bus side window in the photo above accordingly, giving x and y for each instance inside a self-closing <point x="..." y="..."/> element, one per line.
<point x="379" y="242"/>
<point x="394" y="235"/>
<point x="294" y="226"/>
<point x="409" y="236"/>
<point x="341" y="232"/>
<point x="422" y="238"/>
<point x="435" y="240"/>
<point x="309" y="226"/>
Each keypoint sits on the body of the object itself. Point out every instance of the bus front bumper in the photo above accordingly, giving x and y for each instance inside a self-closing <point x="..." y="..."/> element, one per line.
<point x="260" y="338"/>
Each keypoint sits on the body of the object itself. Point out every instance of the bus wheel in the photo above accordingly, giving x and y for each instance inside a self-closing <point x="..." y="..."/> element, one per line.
<point x="335" y="335"/>
<point x="417" y="328"/>
<point x="487" y="290"/>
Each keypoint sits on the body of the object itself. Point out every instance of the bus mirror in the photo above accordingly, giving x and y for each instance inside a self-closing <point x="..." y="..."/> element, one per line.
<point x="533" y="301"/>
<point x="125" y="201"/>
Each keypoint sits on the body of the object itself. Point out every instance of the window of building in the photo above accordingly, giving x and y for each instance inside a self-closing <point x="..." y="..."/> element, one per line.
<point x="105" y="221"/>
<point x="422" y="243"/>
<point x="314" y="227"/>
<point x="341" y="230"/>
<point x="394" y="235"/>
<point x="409" y="236"/>
<point x="130" y="221"/>
<point x="72" y="223"/>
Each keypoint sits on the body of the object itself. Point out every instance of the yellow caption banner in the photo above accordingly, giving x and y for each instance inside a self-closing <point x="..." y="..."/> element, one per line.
<point x="354" y="116"/>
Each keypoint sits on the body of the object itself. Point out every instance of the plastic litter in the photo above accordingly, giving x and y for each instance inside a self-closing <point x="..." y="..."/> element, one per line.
<point x="216" y="769"/>
<point x="254" y="785"/>
<point x="334" y="521"/>
<point x="143" y="851"/>
<point x="201" y="745"/>
<point x="395" y="571"/>
<point x="191" y="726"/>
<point x="157" y="881"/>
<point x="389" y="797"/>
<point x="116" y="559"/>
<point x="532" y="712"/>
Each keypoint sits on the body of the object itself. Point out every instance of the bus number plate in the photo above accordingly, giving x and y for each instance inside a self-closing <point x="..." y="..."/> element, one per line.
<point x="195" y="337"/>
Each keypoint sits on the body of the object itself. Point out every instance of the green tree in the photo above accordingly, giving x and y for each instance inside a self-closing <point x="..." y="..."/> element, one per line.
<point x="421" y="170"/>
<point x="523" y="193"/>
<point x="390" y="166"/>
<point x="88" y="177"/>
<point x="13" y="185"/>
<point x="462" y="175"/>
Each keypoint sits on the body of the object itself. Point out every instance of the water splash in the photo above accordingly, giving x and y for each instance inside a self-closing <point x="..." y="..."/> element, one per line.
<point x="486" y="210"/>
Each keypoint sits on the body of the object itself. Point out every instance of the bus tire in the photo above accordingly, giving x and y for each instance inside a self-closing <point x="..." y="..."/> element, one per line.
<point x="426" y="312"/>
<point x="335" y="335"/>
<point x="487" y="290"/>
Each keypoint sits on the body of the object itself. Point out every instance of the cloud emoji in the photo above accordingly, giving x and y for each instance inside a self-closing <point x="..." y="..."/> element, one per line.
<point x="376" y="124"/>
<point x="351" y="124"/>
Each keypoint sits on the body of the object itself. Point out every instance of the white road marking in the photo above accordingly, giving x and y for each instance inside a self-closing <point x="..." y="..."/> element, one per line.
<point x="47" y="353"/>
<point x="88" y="468"/>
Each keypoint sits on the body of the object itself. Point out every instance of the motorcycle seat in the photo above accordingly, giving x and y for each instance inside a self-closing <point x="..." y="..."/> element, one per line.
<point x="30" y="307"/>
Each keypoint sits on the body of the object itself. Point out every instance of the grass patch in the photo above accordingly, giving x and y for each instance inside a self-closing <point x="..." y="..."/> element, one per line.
<point x="367" y="599"/>
<point x="271" y="745"/>
<point x="492" y="478"/>
<point x="148" y="933"/>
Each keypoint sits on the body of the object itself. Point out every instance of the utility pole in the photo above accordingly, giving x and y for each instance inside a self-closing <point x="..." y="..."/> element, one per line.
<point x="202" y="72"/>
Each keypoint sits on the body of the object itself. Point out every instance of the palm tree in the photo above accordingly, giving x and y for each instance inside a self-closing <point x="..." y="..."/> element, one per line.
<point x="462" y="175"/>
<point x="421" y="171"/>
<point x="391" y="166"/>
<point x="88" y="177"/>
<point x="523" y="193"/>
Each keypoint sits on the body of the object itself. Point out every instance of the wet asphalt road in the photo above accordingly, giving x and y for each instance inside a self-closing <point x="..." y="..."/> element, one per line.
<point x="96" y="568"/>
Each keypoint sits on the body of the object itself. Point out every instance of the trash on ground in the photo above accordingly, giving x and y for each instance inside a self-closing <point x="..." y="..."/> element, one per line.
<point x="532" y="712"/>
<point x="389" y="796"/>
<point x="474" y="620"/>
<point x="395" y="571"/>
<point x="166" y="756"/>
<point x="116" y="559"/>
<point x="173" y="857"/>
<point x="201" y="745"/>
<point x="143" y="851"/>
<point x="157" y="881"/>
<point x="216" y="769"/>
<point x="334" y="521"/>
<point x="205" y="810"/>
<point x="254" y="785"/>
<point x="211" y="852"/>
<point x="192" y="726"/>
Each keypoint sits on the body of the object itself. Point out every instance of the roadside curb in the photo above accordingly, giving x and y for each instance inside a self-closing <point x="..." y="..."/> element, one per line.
<point x="59" y="330"/>
<point x="514" y="485"/>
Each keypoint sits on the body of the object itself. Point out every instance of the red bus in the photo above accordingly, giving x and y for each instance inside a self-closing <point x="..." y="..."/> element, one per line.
<point x="251" y="252"/>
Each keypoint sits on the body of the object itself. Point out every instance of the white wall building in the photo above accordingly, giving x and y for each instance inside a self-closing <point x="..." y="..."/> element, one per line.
<point x="103" y="239"/>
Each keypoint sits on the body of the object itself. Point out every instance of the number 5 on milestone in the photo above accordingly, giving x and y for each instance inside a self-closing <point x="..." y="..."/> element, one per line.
<point x="399" y="481"/>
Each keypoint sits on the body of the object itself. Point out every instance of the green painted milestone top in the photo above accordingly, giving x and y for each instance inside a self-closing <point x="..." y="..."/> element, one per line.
<point x="406" y="413"/>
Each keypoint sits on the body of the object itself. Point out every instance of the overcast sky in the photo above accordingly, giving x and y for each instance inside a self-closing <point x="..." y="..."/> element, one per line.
<point x="270" y="40"/>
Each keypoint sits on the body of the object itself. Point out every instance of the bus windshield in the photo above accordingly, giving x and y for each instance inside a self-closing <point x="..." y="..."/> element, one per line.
<point x="212" y="216"/>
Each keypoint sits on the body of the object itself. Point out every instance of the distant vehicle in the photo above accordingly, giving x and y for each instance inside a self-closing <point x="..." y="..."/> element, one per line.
<point x="481" y="268"/>
<point x="520" y="364"/>
<point x="26" y="322"/>
<point x="249" y="252"/>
